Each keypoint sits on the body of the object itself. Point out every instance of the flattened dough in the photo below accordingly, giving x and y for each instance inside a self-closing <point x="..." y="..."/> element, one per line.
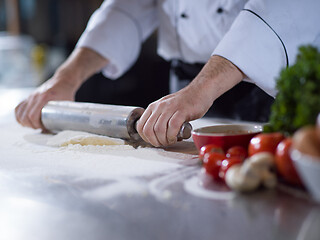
<point x="67" y="137"/>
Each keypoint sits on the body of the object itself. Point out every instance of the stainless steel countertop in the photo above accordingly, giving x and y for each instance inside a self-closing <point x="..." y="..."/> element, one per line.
<point x="53" y="208"/>
<point x="58" y="204"/>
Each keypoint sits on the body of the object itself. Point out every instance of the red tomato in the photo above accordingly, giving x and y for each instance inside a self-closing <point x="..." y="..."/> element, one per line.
<point x="265" y="142"/>
<point x="284" y="163"/>
<point x="212" y="162"/>
<point x="237" y="151"/>
<point x="209" y="148"/>
<point x="227" y="163"/>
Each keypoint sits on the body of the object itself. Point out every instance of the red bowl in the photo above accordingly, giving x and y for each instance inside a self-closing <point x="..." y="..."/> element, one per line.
<point x="225" y="136"/>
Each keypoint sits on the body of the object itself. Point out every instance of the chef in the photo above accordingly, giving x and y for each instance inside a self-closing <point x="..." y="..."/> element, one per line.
<point x="236" y="40"/>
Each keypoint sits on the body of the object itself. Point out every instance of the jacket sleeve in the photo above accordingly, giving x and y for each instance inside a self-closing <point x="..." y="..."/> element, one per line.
<point x="116" y="31"/>
<point x="266" y="35"/>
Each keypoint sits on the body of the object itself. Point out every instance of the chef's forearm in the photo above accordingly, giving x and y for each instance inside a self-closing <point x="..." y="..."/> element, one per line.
<point x="217" y="76"/>
<point x="80" y="65"/>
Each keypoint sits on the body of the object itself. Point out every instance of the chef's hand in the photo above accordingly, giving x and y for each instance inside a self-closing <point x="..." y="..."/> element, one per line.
<point x="161" y="122"/>
<point x="81" y="64"/>
<point x="28" y="112"/>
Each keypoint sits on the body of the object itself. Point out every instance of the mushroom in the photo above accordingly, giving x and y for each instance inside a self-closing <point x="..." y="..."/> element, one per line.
<point x="237" y="180"/>
<point x="255" y="171"/>
<point x="262" y="160"/>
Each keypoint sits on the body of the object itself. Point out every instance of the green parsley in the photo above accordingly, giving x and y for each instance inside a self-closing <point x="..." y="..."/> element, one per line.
<point x="297" y="103"/>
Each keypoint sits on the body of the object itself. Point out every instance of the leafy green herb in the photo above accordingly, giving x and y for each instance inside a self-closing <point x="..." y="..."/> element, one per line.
<point x="298" y="100"/>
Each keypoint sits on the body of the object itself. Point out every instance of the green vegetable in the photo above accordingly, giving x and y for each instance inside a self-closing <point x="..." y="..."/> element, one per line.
<point x="298" y="100"/>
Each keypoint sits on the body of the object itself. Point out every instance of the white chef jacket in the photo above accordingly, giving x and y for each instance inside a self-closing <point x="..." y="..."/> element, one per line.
<point x="260" y="37"/>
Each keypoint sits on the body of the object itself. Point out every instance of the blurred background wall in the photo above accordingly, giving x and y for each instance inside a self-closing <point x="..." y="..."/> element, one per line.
<point x="39" y="34"/>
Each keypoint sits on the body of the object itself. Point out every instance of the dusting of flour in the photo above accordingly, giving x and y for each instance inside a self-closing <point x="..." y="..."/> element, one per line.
<point x="25" y="151"/>
<point x="67" y="137"/>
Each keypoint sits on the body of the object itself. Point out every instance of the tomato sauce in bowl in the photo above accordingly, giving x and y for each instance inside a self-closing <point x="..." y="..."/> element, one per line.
<point x="225" y="136"/>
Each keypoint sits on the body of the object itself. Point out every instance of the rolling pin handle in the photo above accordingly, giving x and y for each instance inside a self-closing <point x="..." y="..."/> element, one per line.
<point x="185" y="131"/>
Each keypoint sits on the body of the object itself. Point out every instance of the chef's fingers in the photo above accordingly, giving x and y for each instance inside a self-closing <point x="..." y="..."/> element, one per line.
<point x="27" y="117"/>
<point x="149" y="134"/>
<point x="19" y="111"/>
<point x="141" y="123"/>
<point x="22" y="114"/>
<point x="174" y="125"/>
<point x="160" y="128"/>
<point x="34" y="114"/>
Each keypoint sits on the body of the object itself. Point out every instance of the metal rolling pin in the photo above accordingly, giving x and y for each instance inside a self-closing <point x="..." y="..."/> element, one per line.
<point x="109" y="120"/>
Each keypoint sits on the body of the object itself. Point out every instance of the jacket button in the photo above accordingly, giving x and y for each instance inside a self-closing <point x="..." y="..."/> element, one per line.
<point x="220" y="10"/>
<point x="183" y="15"/>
